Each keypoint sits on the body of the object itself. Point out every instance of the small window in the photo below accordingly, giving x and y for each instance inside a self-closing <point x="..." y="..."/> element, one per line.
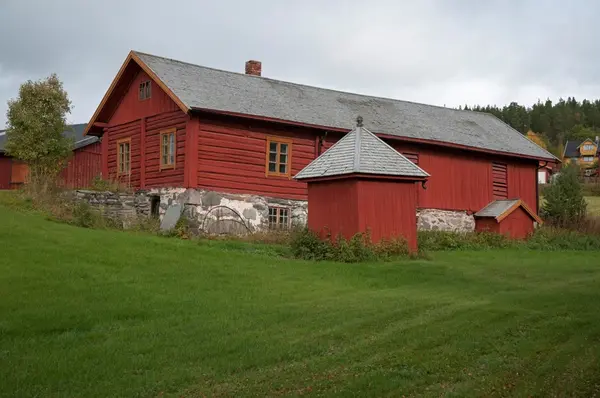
<point x="588" y="147"/>
<point x="145" y="90"/>
<point x="279" y="155"/>
<point x="167" y="149"/>
<point x="279" y="218"/>
<point x="588" y="158"/>
<point x="124" y="156"/>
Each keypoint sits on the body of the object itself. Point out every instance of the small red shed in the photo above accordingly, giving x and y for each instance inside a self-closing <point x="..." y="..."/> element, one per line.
<point x="508" y="217"/>
<point x="362" y="184"/>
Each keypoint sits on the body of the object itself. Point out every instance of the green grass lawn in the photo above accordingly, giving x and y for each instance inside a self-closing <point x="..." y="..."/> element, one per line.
<point x="87" y="313"/>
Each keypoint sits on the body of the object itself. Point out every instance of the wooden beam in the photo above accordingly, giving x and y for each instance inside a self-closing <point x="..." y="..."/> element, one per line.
<point x="104" y="146"/>
<point x="100" y="125"/>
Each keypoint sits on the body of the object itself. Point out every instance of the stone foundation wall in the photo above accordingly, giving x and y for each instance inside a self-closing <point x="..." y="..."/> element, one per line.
<point x="445" y="220"/>
<point x="206" y="211"/>
<point x="223" y="213"/>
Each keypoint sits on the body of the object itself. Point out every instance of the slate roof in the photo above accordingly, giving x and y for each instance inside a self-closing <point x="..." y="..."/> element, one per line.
<point x="199" y="87"/>
<point x="361" y="151"/>
<point x="499" y="209"/>
<point x="75" y="131"/>
<point x="572" y="149"/>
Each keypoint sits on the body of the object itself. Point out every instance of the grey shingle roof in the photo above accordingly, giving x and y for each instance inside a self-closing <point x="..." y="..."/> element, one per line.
<point x="499" y="209"/>
<point x="361" y="151"/>
<point x="496" y="208"/>
<point x="75" y="131"/>
<point x="200" y="87"/>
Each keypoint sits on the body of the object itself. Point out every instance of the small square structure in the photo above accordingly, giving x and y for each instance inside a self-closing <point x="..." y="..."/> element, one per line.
<point x="512" y="218"/>
<point x="361" y="184"/>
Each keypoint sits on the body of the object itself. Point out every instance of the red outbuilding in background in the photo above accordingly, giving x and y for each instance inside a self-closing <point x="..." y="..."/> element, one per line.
<point x="512" y="218"/>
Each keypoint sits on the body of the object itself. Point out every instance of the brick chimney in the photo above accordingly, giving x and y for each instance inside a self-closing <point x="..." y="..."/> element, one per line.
<point x="253" y="68"/>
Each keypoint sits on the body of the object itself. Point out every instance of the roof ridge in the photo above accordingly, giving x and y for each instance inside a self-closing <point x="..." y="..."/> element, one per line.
<point x="395" y="151"/>
<point x="317" y="87"/>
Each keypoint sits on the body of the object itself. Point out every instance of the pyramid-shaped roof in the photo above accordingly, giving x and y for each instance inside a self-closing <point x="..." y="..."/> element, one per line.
<point x="361" y="152"/>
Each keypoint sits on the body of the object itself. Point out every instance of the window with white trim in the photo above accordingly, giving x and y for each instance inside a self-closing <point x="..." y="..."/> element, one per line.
<point x="279" y="218"/>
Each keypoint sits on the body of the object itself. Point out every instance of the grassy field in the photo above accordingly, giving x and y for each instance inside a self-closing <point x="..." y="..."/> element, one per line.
<point x="87" y="313"/>
<point x="593" y="205"/>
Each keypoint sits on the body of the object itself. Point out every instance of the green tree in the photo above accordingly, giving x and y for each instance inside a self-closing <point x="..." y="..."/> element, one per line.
<point x="564" y="204"/>
<point x="36" y="122"/>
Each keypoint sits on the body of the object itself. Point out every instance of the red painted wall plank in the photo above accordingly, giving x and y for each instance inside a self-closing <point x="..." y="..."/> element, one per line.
<point x="517" y="225"/>
<point x="5" y="171"/>
<point x="232" y="156"/>
<point x="487" y="225"/>
<point x="333" y="208"/>
<point x="83" y="167"/>
<point x="388" y="209"/>
<point x="131" y="108"/>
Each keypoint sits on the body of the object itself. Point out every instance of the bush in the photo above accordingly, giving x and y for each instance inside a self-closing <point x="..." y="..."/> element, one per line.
<point x="549" y="238"/>
<point x="564" y="205"/>
<point x="307" y="245"/>
<point x="444" y="240"/>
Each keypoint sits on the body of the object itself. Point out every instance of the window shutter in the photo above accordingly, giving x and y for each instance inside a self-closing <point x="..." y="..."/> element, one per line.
<point x="500" y="180"/>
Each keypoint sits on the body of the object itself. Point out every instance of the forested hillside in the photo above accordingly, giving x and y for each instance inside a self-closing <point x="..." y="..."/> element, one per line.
<point x="556" y="122"/>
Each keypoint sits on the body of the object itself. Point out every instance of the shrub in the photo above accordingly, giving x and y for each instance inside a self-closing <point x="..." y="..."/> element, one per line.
<point x="445" y="240"/>
<point x="550" y="238"/>
<point x="100" y="184"/>
<point x="564" y="205"/>
<point x="307" y="245"/>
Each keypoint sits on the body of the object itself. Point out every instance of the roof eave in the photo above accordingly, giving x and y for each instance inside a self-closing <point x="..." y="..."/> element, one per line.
<point x="354" y="175"/>
<point x="131" y="57"/>
<point x="387" y="136"/>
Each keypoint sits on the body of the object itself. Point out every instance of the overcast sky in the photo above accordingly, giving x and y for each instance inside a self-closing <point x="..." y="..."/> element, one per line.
<point x="443" y="52"/>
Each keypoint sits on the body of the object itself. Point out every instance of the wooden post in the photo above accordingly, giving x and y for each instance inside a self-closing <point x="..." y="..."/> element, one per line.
<point x="143" y="153"/>
<point x="190" y="173"/>
<point x="105" y="155"/>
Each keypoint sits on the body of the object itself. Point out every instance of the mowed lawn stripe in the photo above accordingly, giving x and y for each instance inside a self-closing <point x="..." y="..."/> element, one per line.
<point x="105" y="313"/>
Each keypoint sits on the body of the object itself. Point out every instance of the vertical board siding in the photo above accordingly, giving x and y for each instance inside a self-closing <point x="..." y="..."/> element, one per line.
<point x="131" y="108"/>
<point x="388" y="210"/>
<point x="517" y="225"/>
<point x="522" y="179"/>
<point x="5" y="171"/>
<point x="83" y="167"/>
<point x="463" y="180"/>
<point x="333" y="208"/>
<point x="487" y="224"/>
<point x="232" y="158"/>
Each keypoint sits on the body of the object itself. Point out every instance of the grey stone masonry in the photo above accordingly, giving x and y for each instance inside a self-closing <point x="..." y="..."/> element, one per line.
<point x="445" y="220"/>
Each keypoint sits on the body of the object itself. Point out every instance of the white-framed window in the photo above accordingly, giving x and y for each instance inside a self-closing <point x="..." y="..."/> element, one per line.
<point x="588" y="147"/>
<point x="279" y="218"/>
<point x="588" y="158"/>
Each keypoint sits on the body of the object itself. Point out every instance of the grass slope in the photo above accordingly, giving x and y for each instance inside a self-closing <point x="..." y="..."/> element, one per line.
<point x="87" y="313"/>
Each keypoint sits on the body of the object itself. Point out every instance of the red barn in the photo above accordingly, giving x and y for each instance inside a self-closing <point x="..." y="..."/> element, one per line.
<point x="208" y="138"/>
<point x="83" y="166"/>
<point x="362" y="185"/>
<point x="508" y="217"/>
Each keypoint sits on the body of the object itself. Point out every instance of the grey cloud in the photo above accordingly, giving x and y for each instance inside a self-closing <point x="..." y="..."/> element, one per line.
<point x="434" y="51"/>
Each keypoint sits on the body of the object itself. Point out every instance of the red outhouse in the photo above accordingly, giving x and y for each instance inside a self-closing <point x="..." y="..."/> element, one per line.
<point x="508" y="217"/>
<point x="362" y="184"/>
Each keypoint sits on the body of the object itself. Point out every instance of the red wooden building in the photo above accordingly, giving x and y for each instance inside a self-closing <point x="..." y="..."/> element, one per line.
<point x="82" y="167"/>
<point x="362" y="185"/>
<point x="168" y="126"/>
<point x="508" y="217"/>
